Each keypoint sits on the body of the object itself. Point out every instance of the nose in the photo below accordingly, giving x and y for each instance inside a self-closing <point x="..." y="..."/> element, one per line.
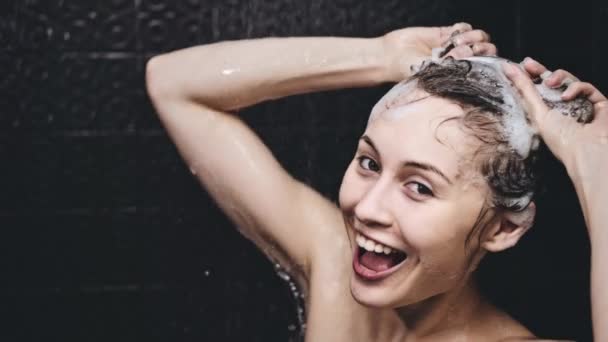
<point x="372" y="209"/>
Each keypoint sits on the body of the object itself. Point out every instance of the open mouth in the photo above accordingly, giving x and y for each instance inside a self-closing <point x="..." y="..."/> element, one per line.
<point x="373" y="260"/>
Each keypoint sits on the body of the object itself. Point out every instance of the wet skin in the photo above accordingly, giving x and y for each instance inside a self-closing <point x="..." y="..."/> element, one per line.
<point x="418" y="211"/>
<point x="194" y="92"/>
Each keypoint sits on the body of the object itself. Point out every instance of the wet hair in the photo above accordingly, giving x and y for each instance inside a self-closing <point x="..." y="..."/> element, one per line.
<point x="511" y="176"/>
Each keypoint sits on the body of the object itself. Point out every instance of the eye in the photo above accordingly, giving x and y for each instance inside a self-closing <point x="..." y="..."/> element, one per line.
<point x="419" y="189"/>
<point x="368" y="164"/>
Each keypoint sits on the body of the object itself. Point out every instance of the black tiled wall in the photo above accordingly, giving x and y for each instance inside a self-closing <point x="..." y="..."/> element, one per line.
<point x="106" y="235"/>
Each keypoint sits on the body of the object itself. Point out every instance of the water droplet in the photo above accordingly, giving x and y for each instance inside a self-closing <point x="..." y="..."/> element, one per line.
<point x="291" y="327"/>
<point x="207" y="273"/>
<point x="230" y="71"/>
<point x="192" y="170"/>
<point x="299" y="299"/>
<point x="284" y="275"/>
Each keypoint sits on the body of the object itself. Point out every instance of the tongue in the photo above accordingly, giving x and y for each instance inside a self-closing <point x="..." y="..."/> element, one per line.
<point x="377" y="262"/>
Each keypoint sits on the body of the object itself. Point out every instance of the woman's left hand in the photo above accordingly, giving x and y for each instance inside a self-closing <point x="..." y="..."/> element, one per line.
<point x="584" y="151"/>
<point x="582" y="148"/>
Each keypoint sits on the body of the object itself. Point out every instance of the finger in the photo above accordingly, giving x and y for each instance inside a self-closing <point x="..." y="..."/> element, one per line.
<point x="532" y="100"/>
<point x="471" y="37"/>
<point x="484" y="49"/>
<point x="555" y="129"/>
<point x="462" y="51"/>
<point x="585" y="89"/>
<point x="560" y="77"/>
<point x="600" y="115"/>
<point x="601" y="106"/>
<point x="600" y="110"/>
<point x="448" y="31"/>
<point x="462" y="27"/>
<point x="532" y="67"/>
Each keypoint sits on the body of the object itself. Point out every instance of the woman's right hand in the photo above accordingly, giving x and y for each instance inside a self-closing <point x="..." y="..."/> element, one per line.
<point x="411" y="46"/>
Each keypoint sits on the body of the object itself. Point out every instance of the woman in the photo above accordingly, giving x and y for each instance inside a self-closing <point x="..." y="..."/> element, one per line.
<point x="416" y="212"/>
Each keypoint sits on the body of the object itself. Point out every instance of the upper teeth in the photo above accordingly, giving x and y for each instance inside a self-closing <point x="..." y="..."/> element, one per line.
<point x="372" y="246"/>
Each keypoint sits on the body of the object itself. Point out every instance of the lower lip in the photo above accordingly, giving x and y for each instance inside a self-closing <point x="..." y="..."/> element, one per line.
<point x="368" y="274"/>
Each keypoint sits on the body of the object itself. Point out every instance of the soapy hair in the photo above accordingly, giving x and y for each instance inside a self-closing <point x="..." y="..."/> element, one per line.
<point x="509" y="153"/>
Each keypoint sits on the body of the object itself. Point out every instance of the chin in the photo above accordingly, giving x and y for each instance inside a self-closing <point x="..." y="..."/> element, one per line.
<point x="375" y="295"/>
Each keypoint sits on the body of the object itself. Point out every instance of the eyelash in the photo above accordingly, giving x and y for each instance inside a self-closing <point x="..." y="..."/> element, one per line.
<point x="426" y="189"/>
<point x="362" y="158"/>
<point x="425" y="192"/>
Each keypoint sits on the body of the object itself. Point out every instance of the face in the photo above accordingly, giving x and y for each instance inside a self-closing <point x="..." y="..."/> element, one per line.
<point x="410" y="198"/>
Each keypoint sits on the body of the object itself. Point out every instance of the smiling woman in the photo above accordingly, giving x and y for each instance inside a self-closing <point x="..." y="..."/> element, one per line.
<point x="424" y="183"/>
<point x="435" y="184"/>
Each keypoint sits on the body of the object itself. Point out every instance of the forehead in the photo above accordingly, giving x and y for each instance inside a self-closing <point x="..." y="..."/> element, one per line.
<point x="427" y="129"/>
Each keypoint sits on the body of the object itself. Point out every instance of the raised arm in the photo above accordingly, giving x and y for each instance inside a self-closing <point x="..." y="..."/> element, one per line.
<point x="194" y="89"/>
<point x="235" y="74"/>
<point x="584" y="151"/>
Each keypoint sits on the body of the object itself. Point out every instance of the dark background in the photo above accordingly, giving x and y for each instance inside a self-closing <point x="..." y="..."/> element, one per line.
<point x="107" y="237"/>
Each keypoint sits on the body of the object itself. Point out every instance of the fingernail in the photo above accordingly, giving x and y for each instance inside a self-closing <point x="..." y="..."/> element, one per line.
<point x="530" y="59"/>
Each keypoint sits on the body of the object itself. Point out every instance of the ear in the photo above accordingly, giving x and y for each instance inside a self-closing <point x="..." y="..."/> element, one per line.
<point x="507" y="232"/>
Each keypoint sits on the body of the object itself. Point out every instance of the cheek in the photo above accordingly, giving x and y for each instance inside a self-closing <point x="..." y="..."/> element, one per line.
<point x="445" y="261"/>
<point x="438" y="236"/>
<point x="430" y="226"/>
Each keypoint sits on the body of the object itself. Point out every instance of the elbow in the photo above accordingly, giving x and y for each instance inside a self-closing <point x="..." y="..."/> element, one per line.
<point x="160" y="84"/>
<point x="154" y="79"/>
<point x="166" y="90"/>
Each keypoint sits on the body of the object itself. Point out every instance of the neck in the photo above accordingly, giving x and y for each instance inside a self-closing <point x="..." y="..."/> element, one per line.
<point x="444" y="312"/>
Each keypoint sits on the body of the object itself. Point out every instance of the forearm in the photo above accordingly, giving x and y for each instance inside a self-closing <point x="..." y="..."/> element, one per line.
<point x="592" y="191"/>
<point x="599" y="288"/>
<point x="236" y="74"/>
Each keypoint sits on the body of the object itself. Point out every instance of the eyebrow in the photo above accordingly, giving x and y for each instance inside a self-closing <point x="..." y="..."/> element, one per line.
<point x="410" y="163"/>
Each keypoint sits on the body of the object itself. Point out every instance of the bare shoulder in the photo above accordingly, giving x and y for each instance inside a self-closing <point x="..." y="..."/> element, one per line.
<point x="330" y="250"/>
<point x="495" y="324"/>
<point x="519" y="333"/>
